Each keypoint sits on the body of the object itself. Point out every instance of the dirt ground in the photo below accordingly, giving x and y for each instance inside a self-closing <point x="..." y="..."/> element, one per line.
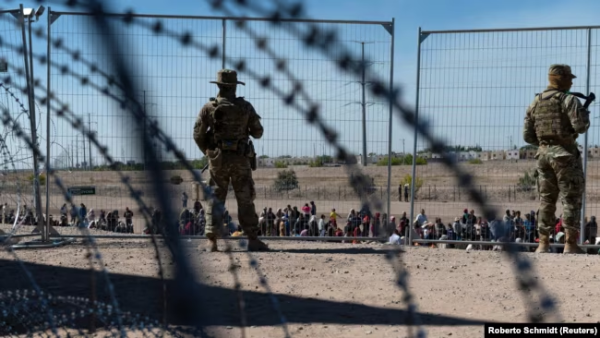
<point x="325" y="289"/>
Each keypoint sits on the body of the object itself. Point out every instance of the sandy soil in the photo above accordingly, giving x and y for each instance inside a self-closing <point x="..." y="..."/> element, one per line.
<point x="327" y="289"/>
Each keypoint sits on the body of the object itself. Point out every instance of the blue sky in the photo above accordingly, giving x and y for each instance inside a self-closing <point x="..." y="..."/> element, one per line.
<point x="409" y="15"/>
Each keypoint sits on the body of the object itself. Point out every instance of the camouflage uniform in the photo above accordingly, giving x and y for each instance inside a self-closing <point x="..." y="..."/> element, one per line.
<point x="223" y="135"/>
<point x="552" y="122"/>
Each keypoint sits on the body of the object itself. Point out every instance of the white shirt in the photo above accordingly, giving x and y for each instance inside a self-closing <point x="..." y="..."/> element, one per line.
<point x="421" y="219"/>
<point x="321" y="224"/>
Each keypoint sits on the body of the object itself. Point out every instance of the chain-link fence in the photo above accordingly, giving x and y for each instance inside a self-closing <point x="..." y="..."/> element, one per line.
<point x="77" y="76"/>
<point x="176" y="85"/>
<point x="474" y="87"/>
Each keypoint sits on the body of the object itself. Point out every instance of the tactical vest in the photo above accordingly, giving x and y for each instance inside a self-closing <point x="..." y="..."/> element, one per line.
<point x="229" y="124"/>
<point x="551" y="122"/>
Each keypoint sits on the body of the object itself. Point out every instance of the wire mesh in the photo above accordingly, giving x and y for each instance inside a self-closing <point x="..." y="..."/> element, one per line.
<point x="592" y="198"/>
<point x="184" y="278"/>
<point x="474" y="90"/>
<point x="17" y="158"/>
<point x="177" y="80"/>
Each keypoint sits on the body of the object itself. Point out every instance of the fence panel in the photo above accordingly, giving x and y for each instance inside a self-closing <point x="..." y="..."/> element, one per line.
<point x="475" y="87"/>
<point x="289" y="140"/>
<point x="176" y="79"/>
<point x="16" y="172"/>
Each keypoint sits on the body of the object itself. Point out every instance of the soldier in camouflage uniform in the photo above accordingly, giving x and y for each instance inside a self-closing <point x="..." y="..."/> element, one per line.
<point x="553" y="121"/>
<point x="222" y="133"/>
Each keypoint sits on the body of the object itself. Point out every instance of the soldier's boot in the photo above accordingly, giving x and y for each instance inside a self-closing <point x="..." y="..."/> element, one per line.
<point x="544" y="245"/>
<point x="571" y="246"/>
<point x="255" y="244"/>
<point x="212" y="238"/>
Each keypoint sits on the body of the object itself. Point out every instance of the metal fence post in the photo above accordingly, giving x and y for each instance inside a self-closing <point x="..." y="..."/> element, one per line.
<point x="224" y="43"/>
<point x="389" y="178"/>
<point x="46" y="230"/>
<point x="414" y="160"/>
<point x="585" y="140"/>
<point x="37" y="201"/>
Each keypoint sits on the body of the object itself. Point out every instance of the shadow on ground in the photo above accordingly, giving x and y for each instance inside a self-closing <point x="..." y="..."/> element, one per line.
<point x="218" y="306"/>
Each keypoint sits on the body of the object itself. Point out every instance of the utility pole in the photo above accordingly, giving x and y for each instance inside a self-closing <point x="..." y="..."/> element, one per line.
<point x="144" y="121"/>
<point x="89" y="142"/>
<point x="83" y="140"/>
<point x="403" y="147"/>
<point x="77" y="154"/>
<point x="364" y="106"/>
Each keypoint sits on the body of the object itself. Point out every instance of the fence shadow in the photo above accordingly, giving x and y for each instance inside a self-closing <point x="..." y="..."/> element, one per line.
<point x="138" y="295"/>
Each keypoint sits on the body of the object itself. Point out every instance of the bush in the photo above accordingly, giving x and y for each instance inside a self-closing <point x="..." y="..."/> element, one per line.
<point x="176" y="179"/>
<point x="41" y="179"/>
<point x="408" y="180"/>
<point x="318" y="162"/>
<point x="528" y="181"/>
<point x="384" y="161"/>
<point x="286" y="180"/>
<point x="407" y="160"/>
<point x="199" y="164"/>
<point x="280" y="164"/>
<point x="475" y="161"/>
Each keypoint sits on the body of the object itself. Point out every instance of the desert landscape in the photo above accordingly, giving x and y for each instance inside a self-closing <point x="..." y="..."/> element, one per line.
<point x="324" y="289"/>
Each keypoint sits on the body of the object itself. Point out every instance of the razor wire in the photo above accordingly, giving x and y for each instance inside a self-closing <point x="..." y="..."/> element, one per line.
<point x="519" y="265"/>
<point x="77" y="124"/>
<point x="93" y="252"/>
<point x="17" y="306"/>
<point x="7" y="157"/>
<point x="326" y="42"/>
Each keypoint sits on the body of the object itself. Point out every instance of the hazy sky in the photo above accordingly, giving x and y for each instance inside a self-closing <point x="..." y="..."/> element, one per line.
<point x="176" y="78"/>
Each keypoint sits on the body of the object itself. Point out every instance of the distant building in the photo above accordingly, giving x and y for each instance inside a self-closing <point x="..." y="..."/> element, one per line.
<point x="269" y="162"/>
<point x="512" y="155"/>
<point x="497" y="155"/>
<point x="527" y="154"/>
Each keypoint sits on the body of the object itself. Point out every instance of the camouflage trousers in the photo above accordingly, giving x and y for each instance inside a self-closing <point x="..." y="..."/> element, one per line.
<point x="560" y="174"/>
<point x="225" y="168"/>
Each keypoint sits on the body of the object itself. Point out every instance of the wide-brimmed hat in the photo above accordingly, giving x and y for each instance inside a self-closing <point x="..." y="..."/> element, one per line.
<point x="561" y="70"/>
<point x="227" y="77"/>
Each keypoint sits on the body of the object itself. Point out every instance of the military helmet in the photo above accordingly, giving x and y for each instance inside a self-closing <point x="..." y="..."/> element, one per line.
<point x="227" y="77"/>
<point x="561" y="70"/>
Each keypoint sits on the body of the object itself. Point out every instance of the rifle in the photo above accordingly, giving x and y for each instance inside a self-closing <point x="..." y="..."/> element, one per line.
<point x="204" y="169"/>
<point x="588" y="99"/>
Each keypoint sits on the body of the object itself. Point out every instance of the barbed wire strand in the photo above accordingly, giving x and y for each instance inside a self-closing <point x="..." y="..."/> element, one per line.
<point x="326" y="42"/>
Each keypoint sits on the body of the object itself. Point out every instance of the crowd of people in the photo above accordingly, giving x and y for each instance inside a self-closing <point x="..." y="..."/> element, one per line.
<point x="514" y="227"/>
<point x="305" y="221"/>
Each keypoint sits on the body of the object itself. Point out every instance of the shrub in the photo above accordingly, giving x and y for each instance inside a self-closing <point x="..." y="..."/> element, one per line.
<point x="528" y="181"/>
<point x="176" y="179"/>
<point x="384" y="161"/>
<point x="280" y="164"/>
<point x="318" y="162"/>
<point x="475" y="161"/>
<point x="407" y="160"/>
<point x="286" y="180"/>
<point x="41" y="179"/>
<point x="408" y="180"/>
